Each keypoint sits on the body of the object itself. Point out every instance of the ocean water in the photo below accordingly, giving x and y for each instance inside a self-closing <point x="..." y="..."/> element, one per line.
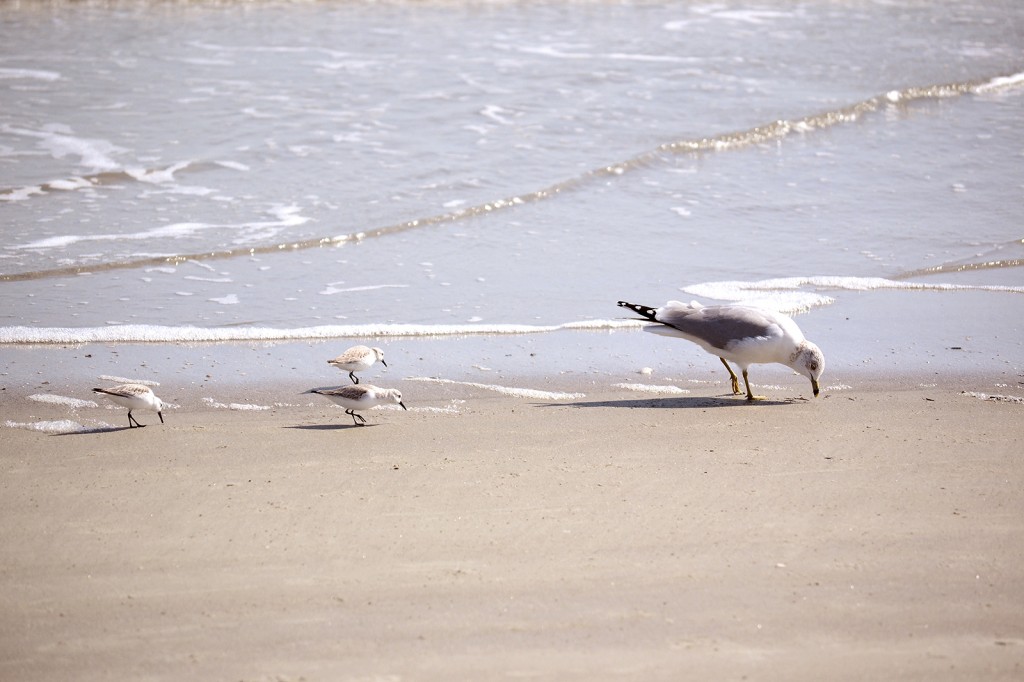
<point x="228" y="194"/>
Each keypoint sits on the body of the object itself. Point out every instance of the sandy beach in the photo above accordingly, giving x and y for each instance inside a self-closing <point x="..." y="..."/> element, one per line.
<point x="874" y="533"/>
<point x="216" y="198"/>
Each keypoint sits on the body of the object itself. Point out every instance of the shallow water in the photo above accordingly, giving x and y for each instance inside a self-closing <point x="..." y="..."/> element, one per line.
<point x="439" y="178"/>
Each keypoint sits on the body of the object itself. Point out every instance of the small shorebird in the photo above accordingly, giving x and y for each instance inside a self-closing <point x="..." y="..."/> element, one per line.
<point x="360" y="397"/>
<point x="357" y="359"/>
<point x="742" y="334"/>
<point x="134" y="397"/>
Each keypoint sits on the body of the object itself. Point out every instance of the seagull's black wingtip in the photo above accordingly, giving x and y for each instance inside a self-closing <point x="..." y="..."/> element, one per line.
<point x="646" y="311"/>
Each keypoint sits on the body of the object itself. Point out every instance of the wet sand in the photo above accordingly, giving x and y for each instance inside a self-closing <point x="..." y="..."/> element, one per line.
<point x="873" y="533"/>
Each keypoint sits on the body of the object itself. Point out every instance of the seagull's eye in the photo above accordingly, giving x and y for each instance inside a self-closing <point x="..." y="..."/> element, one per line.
<point x="813" y="366"/>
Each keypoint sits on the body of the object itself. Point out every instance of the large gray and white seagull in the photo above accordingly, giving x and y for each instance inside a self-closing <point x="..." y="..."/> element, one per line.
<point x="742" y="334"/>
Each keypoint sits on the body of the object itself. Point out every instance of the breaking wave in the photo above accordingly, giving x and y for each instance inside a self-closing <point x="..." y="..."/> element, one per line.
<point x="108" y="171"/>
<point x="792" y="295"/>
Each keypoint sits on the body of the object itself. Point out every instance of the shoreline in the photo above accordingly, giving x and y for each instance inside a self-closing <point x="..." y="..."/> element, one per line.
<point x="870" y="533"/>
<point x="915" y="350"/>
<point x="50" y="403"/>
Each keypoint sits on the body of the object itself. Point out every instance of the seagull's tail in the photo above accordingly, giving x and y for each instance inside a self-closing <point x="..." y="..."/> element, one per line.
<point x="645" y="311"/>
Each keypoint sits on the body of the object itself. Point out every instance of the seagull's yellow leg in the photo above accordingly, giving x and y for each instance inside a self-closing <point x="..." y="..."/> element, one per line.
<point x="750" y="396"/>
<point x="732" y="375"/>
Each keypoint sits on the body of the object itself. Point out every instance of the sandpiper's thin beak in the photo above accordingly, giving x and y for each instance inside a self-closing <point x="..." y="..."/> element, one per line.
<point x="814" y="387"/>
<point x="403" y="405"/>
<point x="161" y="415"/>
<point x="383" y="363"/>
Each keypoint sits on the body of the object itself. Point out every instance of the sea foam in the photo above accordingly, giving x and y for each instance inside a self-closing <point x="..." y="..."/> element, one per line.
<point x="783" y="295"/>
<point x="506" y="390"/>
<point x="57" y="426"/>
<point x="1001" y="83"/>
<point x="144" y="333"/>
<point x="995" y="398"/>
<point x="238" y="407"/>
<point x="73" y="403"/>
<point x="650" y="388"/>
<point x="125" y="380"/>
<point x="36" y="74"/>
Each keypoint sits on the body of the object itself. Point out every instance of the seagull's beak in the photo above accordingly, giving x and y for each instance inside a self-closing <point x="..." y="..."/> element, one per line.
<point x="161" y="415"/>
<point x="403" y="405"/>
<point x="814" y="387"/>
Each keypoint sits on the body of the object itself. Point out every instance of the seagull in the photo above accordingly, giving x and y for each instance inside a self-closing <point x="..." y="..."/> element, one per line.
<point x="357" y="359"/>
<point x="134" y="397"/>
<point x="360" y="397"/>
<point x="743" y="334"/>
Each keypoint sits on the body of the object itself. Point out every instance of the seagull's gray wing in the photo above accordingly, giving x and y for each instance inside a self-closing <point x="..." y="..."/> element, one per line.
<point x="719" y="326"/>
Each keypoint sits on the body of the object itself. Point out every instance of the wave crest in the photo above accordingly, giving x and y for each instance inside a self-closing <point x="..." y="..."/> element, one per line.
<point x="144" y="333"/>
<point x="770" y="131"/>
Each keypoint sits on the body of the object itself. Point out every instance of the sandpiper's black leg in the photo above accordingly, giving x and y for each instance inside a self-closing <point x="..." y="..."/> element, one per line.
<point x="133" y="422"/>
<point x="356" y="418"/>
<point x="353" y="377"/>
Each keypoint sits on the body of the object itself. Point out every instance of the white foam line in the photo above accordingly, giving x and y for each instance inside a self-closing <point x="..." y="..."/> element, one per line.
<point x="170" y="231"/>
<point x="287" y="216"/>
<point x="58" y="426"/>
<point x="505" y="390"/>
<point x="554" y="52"/>
<point x="239" y="407"/>
<point x="332" y="289"/>
<point x="649" y="388"/>
<point x="159" y="176"/>
<point x="124" y="380"/>
<point x="995" y="398"/>
<point x="839" y="282"/>
<point x="73" y="403"/>
<point x="233" y="165"/>
<point x="132" y="333"/>
<point x="37" y="74"/>
<point x="21" y="193"/>
<point x="1002" y="83"/>
<point x="64" y="184"/>
<point x="96" y="154"/>
<point x="782" y="293"/>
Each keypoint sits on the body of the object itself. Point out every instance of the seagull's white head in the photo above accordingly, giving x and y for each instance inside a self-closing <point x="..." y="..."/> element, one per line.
<point x="809" y="361"/>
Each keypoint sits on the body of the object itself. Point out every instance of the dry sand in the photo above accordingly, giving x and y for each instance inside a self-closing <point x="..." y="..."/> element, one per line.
<point x="872" y="534"/>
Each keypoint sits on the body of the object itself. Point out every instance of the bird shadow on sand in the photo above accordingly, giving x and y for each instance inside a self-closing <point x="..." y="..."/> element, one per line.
<point x="681" y="403"/>
<point x="98" y="430"/>
<point x="328" y="427"/>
